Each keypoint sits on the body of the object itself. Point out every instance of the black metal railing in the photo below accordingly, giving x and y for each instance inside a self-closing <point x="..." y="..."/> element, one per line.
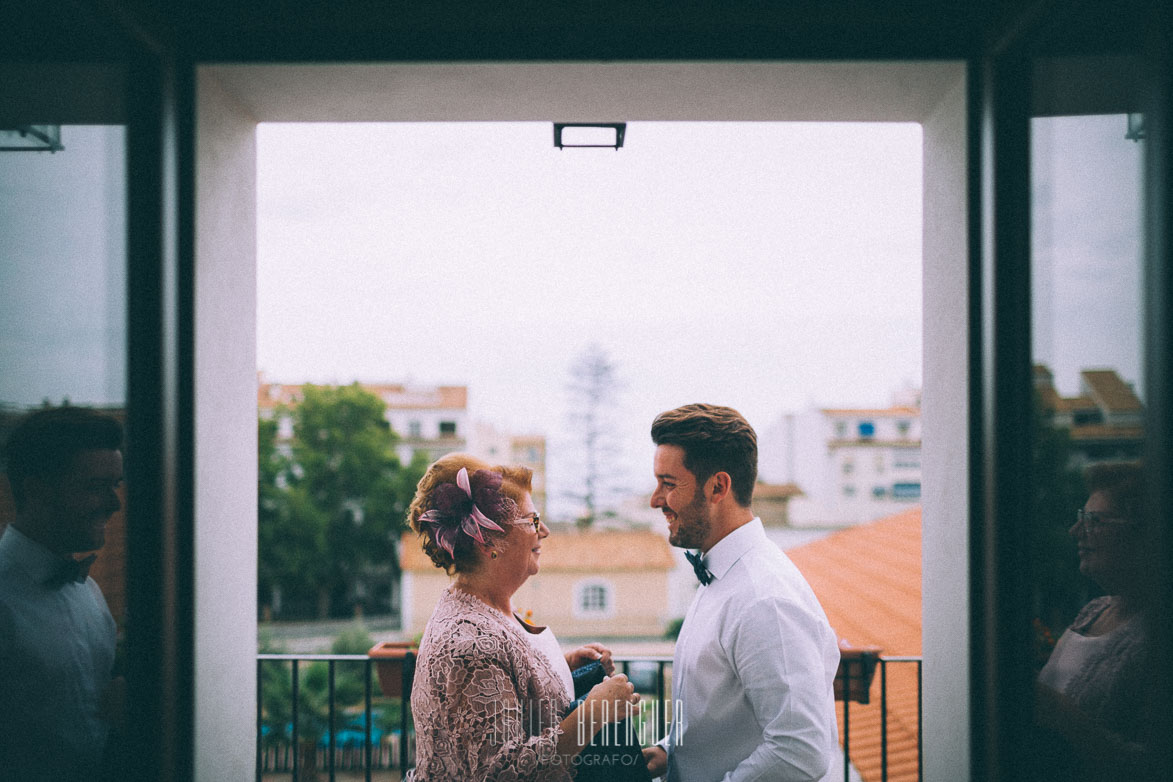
<point x="282" y="743"/>
<point x="284" y="747"/>
<point x="853" y="684"/>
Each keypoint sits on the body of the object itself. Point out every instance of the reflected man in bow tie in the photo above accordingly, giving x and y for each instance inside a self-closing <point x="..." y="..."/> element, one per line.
<point x="57" y="637"/>
<point x="755" y="661"/>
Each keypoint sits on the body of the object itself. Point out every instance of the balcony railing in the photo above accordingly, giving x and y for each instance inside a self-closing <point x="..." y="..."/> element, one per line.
<point x="309" y="723"/>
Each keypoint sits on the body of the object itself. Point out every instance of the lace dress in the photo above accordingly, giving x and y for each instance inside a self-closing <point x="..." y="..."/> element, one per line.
<point x="486" y="704"/>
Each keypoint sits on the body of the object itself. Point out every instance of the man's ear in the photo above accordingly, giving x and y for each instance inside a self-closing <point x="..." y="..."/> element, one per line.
<point x="722" y="486"/>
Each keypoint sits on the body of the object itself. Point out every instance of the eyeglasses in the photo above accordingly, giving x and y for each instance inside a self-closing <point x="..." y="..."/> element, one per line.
<point x="1094" y="521"/>
<point x="536" y="518"/>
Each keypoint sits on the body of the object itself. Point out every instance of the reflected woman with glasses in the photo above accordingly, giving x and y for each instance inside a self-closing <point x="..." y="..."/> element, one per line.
<point x="492" y="696"/>
<point x="1093" y="691"/>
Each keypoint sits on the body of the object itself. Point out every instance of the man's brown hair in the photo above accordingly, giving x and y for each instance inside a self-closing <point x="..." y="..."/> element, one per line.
<point x="44" y="443"/>
<point x="715" y="439"/>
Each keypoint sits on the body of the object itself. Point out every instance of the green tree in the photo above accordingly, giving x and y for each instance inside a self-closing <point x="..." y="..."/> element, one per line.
<point x="291" y="531"/>
<point x="333" y="504"/>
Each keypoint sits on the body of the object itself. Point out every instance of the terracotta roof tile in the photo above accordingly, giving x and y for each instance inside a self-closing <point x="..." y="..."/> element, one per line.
<point x="1050" y="397"/>
<point x="1072" y="403"/>
<point x="400" y="397"/>
<point x="397" y="396"/>
<point x="594" y="551"/>
<point x="776" y="491"/>
<point x="868" y="580"/>
<point x="1110" y="390"/>
<point x="1106" y="432"/>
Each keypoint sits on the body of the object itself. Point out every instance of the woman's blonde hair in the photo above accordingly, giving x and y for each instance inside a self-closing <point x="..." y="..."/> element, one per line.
<point x="515" y="484"/>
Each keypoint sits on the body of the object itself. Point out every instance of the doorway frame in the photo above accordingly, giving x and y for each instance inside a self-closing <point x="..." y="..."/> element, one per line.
<point x="233" y="99"/>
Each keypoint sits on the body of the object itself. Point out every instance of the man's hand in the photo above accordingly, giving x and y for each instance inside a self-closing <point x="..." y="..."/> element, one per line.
<point x="657" y="760"/>
<point x="588" y="654"/>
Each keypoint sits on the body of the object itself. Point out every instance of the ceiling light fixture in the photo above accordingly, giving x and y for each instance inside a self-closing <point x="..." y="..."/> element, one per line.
<point x="580" y="135"/>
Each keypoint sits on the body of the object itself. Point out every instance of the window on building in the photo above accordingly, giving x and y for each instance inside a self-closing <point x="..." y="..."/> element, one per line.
<point x="414" y="429"/>
<point x="881" y="461"/>
<point x="594" y="599"/>
<point x="849" y="490"/>
<point x="880" y="492"/>
<point x="906" y="459"/>
<point x="903" y="426"/>
<point x="840" y="429"/>
<point x="848" y="467"/>
<point x="447" y="428"/>
<point x="906" y="491"/>
<point x="867" y="430"/>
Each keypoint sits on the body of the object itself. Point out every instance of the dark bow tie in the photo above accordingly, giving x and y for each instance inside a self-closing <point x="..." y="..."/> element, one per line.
<point x="75" y="570"/>
<point x="698" y="566"/>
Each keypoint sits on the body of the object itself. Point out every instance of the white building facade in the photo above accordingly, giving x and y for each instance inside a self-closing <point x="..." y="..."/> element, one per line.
<point x="852" y="465"/>
<point x="495" y="446"/>
<point x="431" y="419"/>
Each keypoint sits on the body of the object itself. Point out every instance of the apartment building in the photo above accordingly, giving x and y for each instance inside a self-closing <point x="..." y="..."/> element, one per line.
<point x="1105" y="419"/>
<point x="497" y="446"/>
<point x="431" y="419"/>
<point x="851" y="465"/>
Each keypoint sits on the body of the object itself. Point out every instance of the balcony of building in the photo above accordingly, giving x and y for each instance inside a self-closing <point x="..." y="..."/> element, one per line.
<point x="328" y="736"/>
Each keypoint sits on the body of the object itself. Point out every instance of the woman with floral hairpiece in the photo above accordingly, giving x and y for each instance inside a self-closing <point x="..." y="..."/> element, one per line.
<point x="491" y="692"/>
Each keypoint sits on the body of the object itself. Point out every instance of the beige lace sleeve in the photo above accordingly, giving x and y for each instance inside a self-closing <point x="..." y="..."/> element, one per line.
<point x="485" y="707"/>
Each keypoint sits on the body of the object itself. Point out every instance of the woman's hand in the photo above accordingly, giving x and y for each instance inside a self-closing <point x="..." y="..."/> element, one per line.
<point x="588" y="654"/>
<point x="611" y="700"/>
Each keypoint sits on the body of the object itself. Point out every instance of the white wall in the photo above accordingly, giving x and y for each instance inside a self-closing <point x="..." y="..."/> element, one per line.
<point x="945" y="448"/>
<point x="429" y="421"/>
<point x="226" y="445"/>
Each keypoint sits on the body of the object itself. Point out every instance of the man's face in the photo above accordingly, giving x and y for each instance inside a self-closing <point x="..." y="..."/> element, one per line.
<point x="72" y="508"/>
<point x="681" y="499"/>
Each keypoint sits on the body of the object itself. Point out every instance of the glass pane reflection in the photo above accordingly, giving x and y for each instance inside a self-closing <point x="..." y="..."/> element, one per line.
<point x="63" y="316"/>
<point x="1089" y="597"/>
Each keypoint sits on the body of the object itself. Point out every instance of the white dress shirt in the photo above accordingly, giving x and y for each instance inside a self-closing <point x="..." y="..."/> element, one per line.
<point x="56" y="658"/>
<point x="753" y="671"/>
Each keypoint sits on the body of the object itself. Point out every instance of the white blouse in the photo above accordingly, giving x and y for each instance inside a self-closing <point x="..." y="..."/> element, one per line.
<point x="1072" y="654"/>
<point x="544" y="642"/>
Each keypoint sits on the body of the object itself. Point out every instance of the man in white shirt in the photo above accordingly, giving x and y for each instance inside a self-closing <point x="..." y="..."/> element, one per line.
<point x="57" y="638"/>
<point x="756" y="659"/>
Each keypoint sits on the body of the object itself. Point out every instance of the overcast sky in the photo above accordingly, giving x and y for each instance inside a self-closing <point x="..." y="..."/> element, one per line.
<point x="771" y="267"/>
<point x="1086" y="248"/>
<point x="765" y="266"/>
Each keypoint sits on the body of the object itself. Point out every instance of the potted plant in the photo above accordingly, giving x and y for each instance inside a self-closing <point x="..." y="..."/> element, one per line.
<point x="395" y="664"/>
<point x="857" y="668"/>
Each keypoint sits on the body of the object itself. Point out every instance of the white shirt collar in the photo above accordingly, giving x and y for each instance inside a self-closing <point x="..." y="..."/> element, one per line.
<point x="724" y="555"/>
<point x="38" y="562"/>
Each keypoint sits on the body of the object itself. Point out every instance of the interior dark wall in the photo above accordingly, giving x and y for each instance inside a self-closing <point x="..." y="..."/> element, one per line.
<point x="356" y="30"/>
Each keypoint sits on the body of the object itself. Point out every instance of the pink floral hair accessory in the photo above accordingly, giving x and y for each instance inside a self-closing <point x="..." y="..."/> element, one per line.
<point x="456" y="508"/>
